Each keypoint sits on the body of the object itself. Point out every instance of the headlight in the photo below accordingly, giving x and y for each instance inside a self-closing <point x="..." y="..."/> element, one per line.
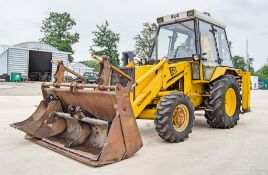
<point x="161" y="19"/>
<point x="190" y="13"/>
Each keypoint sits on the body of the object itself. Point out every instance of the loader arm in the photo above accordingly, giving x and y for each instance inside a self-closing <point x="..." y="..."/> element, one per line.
<point x="151" y="90"/>
<point x="160" y="77"/>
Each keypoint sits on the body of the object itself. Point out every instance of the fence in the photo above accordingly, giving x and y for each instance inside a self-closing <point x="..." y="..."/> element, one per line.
<point x="263" y="84"/>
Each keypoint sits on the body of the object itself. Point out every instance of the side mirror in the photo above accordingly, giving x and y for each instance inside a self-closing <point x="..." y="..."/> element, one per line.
<point x="204" y="58"/>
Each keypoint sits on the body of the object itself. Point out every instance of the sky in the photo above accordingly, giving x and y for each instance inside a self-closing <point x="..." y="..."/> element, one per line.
<point x="20" y="21"/>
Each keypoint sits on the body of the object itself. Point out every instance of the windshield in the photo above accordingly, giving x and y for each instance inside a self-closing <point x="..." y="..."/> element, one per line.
<point x="175" y="41"/>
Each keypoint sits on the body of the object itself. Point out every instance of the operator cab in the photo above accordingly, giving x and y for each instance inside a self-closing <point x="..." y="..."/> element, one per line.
<point x="192" y="34"/>
<point x="176" y="40"/>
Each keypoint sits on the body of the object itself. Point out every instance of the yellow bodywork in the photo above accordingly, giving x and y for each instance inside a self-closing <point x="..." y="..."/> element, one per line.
<point x="153" y="82"/>
<point x="245" y="91"/>
<point x="131" y="64"/>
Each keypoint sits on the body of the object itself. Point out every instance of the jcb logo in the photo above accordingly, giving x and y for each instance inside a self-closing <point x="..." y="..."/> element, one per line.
<point x="173" y="71"/>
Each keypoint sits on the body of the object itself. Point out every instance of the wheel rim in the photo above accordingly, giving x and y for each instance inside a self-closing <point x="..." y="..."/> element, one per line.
<point x="180" y="118"/>
<point x="230" y="102"/>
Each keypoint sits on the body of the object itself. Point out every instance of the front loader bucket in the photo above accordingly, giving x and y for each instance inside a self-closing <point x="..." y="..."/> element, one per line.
<point x="95" y="127"/>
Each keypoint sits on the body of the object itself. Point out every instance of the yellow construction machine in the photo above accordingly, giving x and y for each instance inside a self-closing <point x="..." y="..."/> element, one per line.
<point x="189" y="69"/>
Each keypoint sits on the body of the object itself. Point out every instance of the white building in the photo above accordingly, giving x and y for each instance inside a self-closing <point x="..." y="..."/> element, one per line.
<point x="81" y="68"/>
<point x="31" y="59"/>
<point x="254" y="82"/>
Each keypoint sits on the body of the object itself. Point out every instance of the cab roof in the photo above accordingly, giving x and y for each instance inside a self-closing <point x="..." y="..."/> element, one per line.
<point x="190" y="14"/>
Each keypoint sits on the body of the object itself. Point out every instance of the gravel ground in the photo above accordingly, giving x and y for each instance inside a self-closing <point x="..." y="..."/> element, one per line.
<point x="242" y="150"/>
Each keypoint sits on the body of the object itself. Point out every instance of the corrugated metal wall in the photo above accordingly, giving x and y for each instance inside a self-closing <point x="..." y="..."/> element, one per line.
<point x="3" y="63"/>
<point x="18" y="60"/>
<point x="36" y="46"/>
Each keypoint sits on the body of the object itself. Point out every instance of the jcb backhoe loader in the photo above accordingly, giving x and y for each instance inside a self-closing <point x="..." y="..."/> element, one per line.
<point x="189" y="69"/>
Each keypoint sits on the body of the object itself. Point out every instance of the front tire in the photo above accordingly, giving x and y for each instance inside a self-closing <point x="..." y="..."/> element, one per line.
<point x="225" y="102"/>
<point x="175" y="117"/>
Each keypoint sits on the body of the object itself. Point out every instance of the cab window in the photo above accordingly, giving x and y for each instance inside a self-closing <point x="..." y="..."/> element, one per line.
<point x="176" y="41"/>
<point x="223" y="48"/>
<point x="208" y="49"/>
<point x="208" y="45"/>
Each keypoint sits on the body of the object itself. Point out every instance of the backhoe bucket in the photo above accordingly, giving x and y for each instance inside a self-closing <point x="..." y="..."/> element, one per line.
<point x="96" y="127"/>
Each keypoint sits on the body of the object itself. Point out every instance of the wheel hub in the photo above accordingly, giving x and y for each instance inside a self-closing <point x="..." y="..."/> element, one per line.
<point x="230" y="102"/>
<point x="180" y="118"/>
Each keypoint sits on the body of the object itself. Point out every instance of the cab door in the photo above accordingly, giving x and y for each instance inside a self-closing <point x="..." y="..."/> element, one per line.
<point x="223" y="47"/>
<point x="209" y="50"/>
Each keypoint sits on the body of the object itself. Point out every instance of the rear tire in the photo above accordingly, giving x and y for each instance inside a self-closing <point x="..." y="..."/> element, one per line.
<point x="225" y="102"/>
<point x="175" y="117"/>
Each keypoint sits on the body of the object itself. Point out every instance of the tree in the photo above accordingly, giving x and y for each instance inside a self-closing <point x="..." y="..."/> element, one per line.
<point x="239" y="62"/>
<point x="144" y="41"/>
<point x="57" y="30"/>
<point x="93" y="64"/>
<point x="105" y="43"/>
<point x="249" y="64"/>
<point x="263" y="72"/>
